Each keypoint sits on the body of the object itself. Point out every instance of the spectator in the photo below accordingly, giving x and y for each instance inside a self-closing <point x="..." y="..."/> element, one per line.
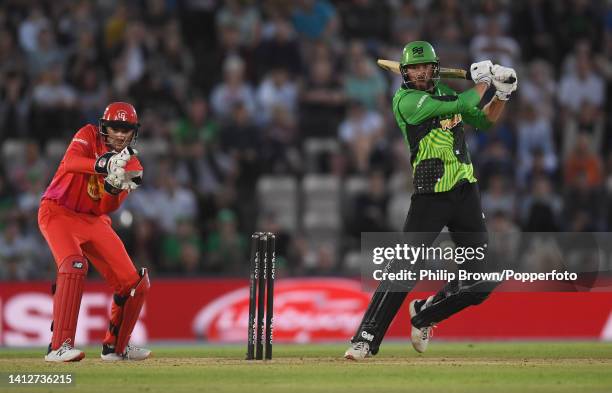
<point x="493" y="45"/>
<point x="534" y="134"/>
<point x="370" y="207"/>
<point x="366" y="20"/>
<point x="321" y="102"/>
<point x="498" y="198"/>
<point x="30" y="28"/>
<point x="315" y="19"/>
<point x="540" y="209"/>
<point x="233" y="90"/>
<point x="365" y="83"/>
<point x="279" y="50"/>
<point x="583" y="165"/>
<point x="539" y="89"/>
<point x="14" y="106"/>
<point x="582" y="85"/>
<point x="16" y="251"/>
<point x="361" y="131"/>
<point x="226" y="247"/>
<point x="245" y="17"/>
<point x="172" y="202"/>
<point x="277" y="90"/>
<point x="46" y="54"/>
<point x="176" y="248"/>
<point x="55" y="106"/>
<point x="197" y="125"/>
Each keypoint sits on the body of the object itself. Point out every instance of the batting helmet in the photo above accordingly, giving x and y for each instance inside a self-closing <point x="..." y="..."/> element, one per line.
<point x="419" y="52"/>
<point x="119" y="115"/>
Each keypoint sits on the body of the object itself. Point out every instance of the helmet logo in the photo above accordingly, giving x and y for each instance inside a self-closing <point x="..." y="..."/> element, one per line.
<point x="417" y="51"/>
<point x="121" y="115"/>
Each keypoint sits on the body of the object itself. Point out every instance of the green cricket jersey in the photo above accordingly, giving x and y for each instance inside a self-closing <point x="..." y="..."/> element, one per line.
<point x="433" y="127"/>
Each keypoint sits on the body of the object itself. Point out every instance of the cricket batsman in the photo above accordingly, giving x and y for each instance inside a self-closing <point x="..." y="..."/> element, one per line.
<point x="96" y="174"/>
<point x="431" y="115"/>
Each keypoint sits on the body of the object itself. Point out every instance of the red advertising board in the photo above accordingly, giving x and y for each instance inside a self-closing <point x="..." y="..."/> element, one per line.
<point x="306" y="310"/>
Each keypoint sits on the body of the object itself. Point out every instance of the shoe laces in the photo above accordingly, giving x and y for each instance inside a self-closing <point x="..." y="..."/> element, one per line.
<point x="361" y="346"/>
<point x="64" y="348"/>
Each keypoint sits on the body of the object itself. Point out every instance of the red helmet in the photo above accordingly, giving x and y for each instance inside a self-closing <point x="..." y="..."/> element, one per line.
<point x="119" y="115"/>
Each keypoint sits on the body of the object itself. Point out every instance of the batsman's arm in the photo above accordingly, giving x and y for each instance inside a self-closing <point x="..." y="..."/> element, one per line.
<point x="417" y="107"/>
<point x="494" y="109"/>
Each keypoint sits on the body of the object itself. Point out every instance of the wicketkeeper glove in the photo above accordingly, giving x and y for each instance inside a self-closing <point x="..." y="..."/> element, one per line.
<point x="481" y="72"/>
<point x="112" y="163"/>
<point x="114" y="184"/>
<point x="500" y="75"/>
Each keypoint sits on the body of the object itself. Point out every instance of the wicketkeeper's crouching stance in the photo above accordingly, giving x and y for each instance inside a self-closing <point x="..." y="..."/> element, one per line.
<point x="94" y="177"/>
<point x="431" y="115"/>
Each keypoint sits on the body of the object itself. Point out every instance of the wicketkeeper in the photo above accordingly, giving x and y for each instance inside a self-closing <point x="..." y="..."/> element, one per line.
<point x="430" y="115"/>
<point x="96" y="174"/>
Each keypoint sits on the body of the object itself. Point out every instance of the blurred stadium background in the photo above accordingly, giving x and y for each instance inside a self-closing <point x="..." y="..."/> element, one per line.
<point x="272" y="115"/>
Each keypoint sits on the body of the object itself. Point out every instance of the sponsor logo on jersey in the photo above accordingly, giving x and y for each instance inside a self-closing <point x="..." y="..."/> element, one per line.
<point x="95" y="187"/>
<point x="450" y="123"/>
<point x="81" y="141"/>
<point x="422" y="100"/>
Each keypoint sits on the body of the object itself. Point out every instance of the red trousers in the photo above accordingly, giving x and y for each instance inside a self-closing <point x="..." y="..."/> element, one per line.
<point x="70" y="233"/>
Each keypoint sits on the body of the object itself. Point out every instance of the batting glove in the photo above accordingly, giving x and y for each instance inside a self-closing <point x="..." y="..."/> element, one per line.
<point x="481" y="72"/>
<point x="504" y="90"/>
<point x="500" y="77"/>
<point x="503" y="74"/>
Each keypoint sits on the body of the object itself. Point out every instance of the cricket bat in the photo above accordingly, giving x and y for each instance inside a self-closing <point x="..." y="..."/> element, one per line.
<point x="447" y="73"/>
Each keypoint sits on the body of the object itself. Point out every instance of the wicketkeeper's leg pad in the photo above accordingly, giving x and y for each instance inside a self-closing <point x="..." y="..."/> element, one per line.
<point x="71" y="275"/>
<point x="126" y="310"/>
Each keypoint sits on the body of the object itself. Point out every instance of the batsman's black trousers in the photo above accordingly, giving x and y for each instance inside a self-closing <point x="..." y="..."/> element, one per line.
<point x="458" y="209"/>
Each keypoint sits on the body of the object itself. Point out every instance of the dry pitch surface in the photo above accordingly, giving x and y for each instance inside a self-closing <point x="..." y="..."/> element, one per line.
<point x="446" y="367"/>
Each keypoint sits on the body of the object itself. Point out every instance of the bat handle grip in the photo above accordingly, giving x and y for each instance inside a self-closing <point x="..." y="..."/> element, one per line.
<point x="468" y="76"/>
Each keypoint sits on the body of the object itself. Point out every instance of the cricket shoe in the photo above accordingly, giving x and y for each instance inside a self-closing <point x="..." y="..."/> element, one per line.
<point x="358" y="351"/>
<point x="65" y="353"/>
<point x="131" y="353"/>
<point x="420" y="336"/>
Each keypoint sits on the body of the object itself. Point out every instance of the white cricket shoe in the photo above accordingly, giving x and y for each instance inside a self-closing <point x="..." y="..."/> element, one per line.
<point x="358" y="351"/>
<point x="420" y="336"/>
<point x="131" y="353"/>
<point x="65" y="353"/>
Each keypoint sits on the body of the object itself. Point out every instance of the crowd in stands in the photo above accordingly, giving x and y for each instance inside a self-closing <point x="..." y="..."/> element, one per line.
<point x="272" y="115"/>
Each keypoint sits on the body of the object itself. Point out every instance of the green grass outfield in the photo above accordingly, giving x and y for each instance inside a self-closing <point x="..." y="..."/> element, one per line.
<point x="447" y="367"/>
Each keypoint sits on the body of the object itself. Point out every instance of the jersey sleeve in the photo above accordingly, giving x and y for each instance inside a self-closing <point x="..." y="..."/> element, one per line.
<point x="79" y="157"/>
<point x="475" y="117"/>
<point x="418" y="106"/>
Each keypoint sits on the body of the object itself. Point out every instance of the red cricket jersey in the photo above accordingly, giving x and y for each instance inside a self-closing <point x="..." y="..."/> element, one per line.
<point x="76" y="185"/>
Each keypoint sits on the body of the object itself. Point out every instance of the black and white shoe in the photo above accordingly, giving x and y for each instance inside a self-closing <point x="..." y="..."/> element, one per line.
<point x="358" y="351"/>
<point x="65" y="353"/>
<point x="131" y="353"/>
<point x="420" y="336"/>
